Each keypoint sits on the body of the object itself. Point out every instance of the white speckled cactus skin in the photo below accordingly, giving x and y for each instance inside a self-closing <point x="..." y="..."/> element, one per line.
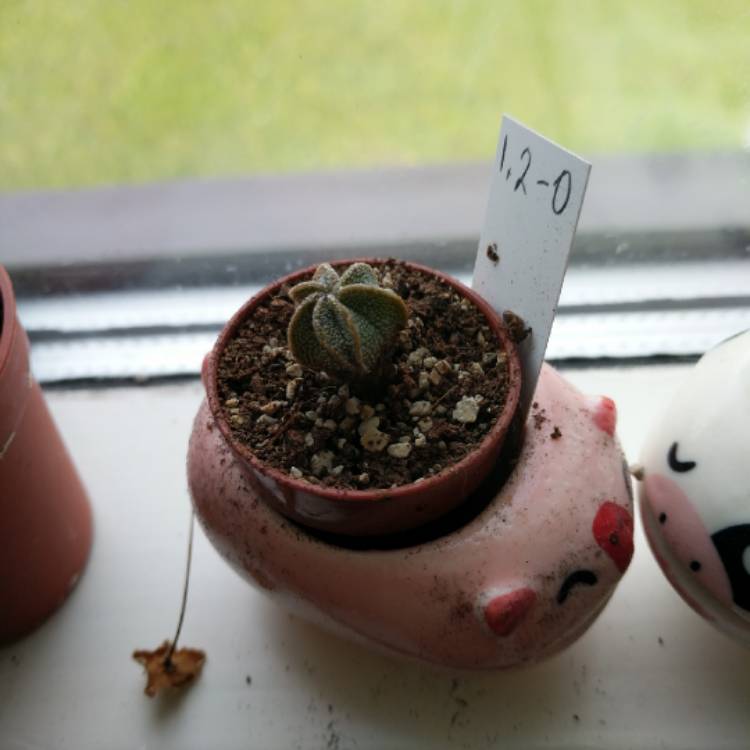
<point x="519" y="582"/>
<point x="344" y="324"/>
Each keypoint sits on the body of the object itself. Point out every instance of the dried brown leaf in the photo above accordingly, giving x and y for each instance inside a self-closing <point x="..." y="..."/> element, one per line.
<point x="182" y="667"/>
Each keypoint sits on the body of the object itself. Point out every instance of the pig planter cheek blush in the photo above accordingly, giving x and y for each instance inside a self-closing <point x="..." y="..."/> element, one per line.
<point x="694" y="495"/>
<point x="511" y="575"/>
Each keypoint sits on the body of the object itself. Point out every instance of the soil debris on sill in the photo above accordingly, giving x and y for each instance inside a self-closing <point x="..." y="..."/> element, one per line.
<point x="539" y="416"/>
<point x="446" y="361"/>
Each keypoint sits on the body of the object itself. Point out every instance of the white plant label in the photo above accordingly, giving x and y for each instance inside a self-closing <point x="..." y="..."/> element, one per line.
<point x="535" y="200"/>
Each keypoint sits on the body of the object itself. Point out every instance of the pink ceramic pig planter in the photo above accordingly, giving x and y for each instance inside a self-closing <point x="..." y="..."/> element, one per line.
<point x="513" y="575"/>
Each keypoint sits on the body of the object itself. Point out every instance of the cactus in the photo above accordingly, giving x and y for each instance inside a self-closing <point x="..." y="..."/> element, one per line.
<point x="344" y="325"/>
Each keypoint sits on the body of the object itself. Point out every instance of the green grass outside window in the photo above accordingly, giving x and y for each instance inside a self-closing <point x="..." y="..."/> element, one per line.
<point x="108" y="91"/>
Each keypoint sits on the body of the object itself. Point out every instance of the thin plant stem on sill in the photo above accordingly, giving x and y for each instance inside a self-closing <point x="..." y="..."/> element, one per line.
<point x="168" y="666"/>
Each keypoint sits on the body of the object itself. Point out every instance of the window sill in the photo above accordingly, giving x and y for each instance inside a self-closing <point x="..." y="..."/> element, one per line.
<point x="635" y="678"/>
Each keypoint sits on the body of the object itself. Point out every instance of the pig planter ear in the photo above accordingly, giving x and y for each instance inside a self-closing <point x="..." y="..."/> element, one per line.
<point x="511" y="574"/>
<point x="694" y="496"/>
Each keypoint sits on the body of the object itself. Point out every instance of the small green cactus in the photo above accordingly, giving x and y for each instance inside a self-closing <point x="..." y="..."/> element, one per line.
<point x="344" y="325"/>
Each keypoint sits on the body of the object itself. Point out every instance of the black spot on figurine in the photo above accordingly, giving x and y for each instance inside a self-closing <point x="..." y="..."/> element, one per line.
<point x="675" y="464"/>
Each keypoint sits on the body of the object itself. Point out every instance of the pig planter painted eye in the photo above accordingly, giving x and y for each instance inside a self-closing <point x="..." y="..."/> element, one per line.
<point x="512" y="575"/>
<point x="695" y="494"/>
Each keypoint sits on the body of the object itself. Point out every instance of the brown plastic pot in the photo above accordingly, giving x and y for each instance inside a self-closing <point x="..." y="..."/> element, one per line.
<point x="367" y="512"/>
<point x="45" y="518"/>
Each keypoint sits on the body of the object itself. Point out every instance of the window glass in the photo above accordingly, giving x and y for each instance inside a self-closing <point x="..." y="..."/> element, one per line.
<point x="161" y="161"/>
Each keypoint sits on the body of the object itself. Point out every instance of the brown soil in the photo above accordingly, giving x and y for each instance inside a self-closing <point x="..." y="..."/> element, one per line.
<point x="306" y="424"/>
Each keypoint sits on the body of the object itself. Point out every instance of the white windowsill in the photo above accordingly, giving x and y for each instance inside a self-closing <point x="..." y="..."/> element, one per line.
<point x="72" y="684"/>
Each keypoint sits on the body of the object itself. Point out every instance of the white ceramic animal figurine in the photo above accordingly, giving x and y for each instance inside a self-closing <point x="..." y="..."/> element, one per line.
<point x="695" y="496"/>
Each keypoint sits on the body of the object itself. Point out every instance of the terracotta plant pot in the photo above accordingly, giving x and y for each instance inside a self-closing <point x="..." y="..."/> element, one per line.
<point x="45" y="518"/>
<point x="367" y="512"/>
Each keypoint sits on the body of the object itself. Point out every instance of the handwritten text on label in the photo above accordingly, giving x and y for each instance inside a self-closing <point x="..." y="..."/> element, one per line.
<point x="562" y="184"/>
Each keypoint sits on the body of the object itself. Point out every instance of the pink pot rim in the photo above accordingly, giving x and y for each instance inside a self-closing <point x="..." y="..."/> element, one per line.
<point x="493" y="437"/>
